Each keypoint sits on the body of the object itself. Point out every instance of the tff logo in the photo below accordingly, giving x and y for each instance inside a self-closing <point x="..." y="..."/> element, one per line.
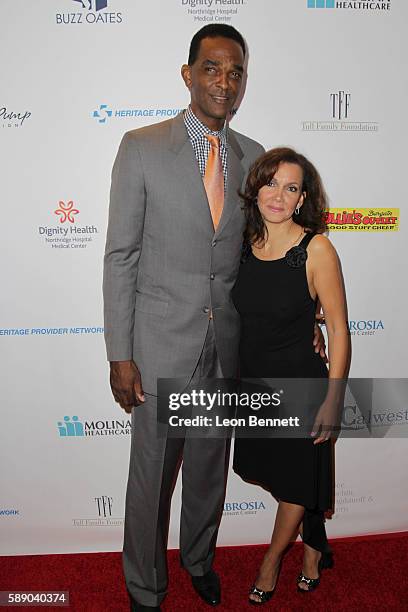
<point x="340" y="102"/>
<point x="95" y="5"/>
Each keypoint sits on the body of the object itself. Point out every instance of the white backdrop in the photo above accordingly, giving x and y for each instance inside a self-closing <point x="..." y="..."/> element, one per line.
<point x="329" y="80"/>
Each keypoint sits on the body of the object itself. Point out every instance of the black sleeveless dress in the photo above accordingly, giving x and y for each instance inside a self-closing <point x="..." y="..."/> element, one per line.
<point x="277" y="328"/>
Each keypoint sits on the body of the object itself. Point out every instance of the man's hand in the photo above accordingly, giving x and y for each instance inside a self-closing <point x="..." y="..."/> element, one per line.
<point x="318" y="340"/>
<point x="126" y="384"/>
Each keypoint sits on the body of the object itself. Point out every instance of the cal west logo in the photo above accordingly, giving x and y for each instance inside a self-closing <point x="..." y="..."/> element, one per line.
<point x="363" y="219"/>
<point x="88" y="12"/>
<point x="73" y="427"/>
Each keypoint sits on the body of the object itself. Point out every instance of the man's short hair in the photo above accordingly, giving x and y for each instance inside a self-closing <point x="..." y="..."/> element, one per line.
<point x="213" y="30"/>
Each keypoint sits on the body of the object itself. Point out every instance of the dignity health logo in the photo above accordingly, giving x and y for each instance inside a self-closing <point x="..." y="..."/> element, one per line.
<point x="348" y="4"/>
<point x="73" y="427"/>
<point x="65" y="233"/>
<point x="87" y="12"/>
<point x="104" y="112"/>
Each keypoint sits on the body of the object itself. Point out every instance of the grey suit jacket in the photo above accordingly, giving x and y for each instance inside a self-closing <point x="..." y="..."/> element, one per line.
<point x="164" y="266"/>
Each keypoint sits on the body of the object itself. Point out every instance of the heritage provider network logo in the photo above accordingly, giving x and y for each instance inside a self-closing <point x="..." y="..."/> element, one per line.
<point x="88" y="12"/>
<point x="359" y="5"/>
<point x="363" y="219"/>
<point x="105" y="113"/>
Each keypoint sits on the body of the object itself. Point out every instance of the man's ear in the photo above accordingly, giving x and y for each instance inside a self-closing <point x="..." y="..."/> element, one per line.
<point x="186" y="74"/>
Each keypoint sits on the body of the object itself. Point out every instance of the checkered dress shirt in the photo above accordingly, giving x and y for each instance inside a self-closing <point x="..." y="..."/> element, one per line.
<point x="201" y="145"/>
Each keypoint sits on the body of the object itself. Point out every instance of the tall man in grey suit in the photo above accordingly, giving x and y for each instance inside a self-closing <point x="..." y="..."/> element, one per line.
<point x="172" y="256"/>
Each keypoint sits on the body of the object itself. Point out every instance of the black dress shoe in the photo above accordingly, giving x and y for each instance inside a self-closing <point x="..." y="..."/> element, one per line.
<point x="208" y="587"/>
<point x="137" y="607"/>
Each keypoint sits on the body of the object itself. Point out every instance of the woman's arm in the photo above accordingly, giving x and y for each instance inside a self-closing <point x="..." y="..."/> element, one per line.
<point x="325" y="280"/>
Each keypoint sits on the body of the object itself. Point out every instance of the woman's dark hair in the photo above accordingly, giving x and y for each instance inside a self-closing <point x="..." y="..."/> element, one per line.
<point x="213" y="30"/>
<point x="311" y="213"/>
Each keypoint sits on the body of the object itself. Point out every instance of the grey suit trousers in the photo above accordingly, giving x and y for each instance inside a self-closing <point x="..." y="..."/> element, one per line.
<point x="154" y="464"/>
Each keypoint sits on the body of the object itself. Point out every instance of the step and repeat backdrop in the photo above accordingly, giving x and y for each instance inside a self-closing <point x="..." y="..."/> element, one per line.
<point x="327" y="77"/>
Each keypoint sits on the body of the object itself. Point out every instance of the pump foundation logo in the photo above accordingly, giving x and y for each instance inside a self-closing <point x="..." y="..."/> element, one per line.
<point x="65" y="233"/>
<point x="363" y="219"/>
<point x="84" y="12"/>
<point x="13" y="118"/>
<point x="213" y="11"/>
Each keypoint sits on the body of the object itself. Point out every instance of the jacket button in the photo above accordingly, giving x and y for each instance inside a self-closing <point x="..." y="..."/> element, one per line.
<point x="206" y="310"/>
<point x="214" y="242"/>
<point x="212" y="276"/>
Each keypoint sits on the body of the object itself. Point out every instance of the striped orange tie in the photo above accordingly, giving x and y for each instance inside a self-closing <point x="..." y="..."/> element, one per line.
<point x="214" y="180"/>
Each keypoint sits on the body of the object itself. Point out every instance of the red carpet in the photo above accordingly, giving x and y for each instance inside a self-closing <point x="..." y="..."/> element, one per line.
<point x="369" y="574"/>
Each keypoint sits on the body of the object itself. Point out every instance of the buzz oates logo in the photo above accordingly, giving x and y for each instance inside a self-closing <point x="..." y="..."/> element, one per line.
<point x="13" y="118"/>
<point x="339" y="116"/>
<point x="243" y="507"/>
<point x="207" y="11"/>
<point x="88" y="12"/>
<point x="103" y="509"/>
<point x="363" y="219"/>
<point x="73" y="427"/>
<point x="65" y="233"/>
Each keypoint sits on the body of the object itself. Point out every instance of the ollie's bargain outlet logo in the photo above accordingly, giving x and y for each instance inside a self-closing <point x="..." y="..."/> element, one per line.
<point x="363" y="219"/>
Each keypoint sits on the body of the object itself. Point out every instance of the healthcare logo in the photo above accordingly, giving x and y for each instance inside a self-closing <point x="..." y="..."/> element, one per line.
<point x="104" y="112"/>
<point x="363" y="219"/>
<point x="65" y="233"/>
<point x="12" y="118"/>
<point x="338" y="118"/>
<point x="66" y="211"/>
<point x="73" y="427"/>
<point x="369" y="5"/>
<point x="84" y="12"/>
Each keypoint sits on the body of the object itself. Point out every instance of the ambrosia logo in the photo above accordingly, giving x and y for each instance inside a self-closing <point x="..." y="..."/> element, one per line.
<point x="363" y="219"/>
<point x="243" y="507"/>
<point x="90" y="11"/>
<point x="365" y="327"/>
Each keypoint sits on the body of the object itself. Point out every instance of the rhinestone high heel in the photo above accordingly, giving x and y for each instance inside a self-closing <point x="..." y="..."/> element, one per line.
<point x="325" y="562"/>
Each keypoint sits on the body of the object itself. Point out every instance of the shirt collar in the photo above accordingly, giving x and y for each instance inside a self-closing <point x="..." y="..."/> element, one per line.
<point x="196" y="129"/>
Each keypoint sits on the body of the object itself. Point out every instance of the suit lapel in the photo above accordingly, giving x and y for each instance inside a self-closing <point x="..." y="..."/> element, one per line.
<point x="187" y="172"/>
<point x="234" y="183"/>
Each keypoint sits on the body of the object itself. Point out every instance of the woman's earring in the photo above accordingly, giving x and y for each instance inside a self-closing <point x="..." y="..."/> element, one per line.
<point x="297" y="209"/>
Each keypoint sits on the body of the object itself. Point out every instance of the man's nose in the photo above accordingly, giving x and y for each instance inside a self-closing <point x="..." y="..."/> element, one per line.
<point x="222" y="81"/>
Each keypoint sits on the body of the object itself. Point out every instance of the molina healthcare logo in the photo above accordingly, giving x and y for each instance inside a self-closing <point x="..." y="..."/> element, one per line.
<point x="207" y="11"/>
<point x="65" y="233"/>
<point x="339" y="116"/>
<point x="363" y="219"/>
<point x="87" y="12"/>
<point x="13" y="118"/>
<point x="104" y="113"/>
<point x="359" y="5"/>
<point x="73" y="427"/>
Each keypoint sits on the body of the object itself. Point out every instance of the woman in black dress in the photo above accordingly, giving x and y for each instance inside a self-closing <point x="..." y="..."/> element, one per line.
<point x="288" y="266"/>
